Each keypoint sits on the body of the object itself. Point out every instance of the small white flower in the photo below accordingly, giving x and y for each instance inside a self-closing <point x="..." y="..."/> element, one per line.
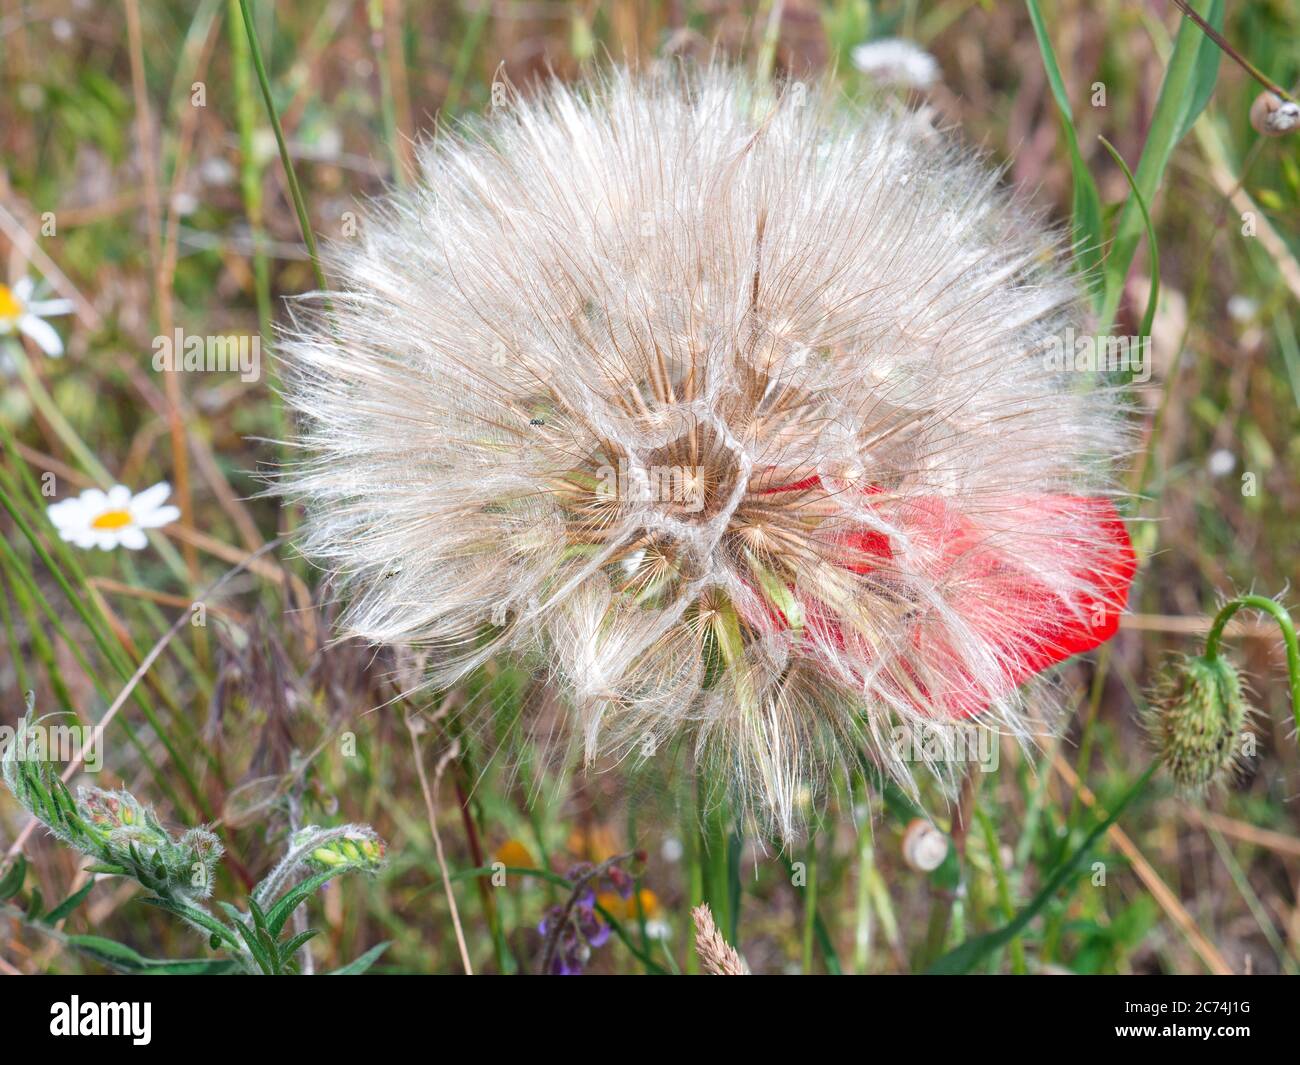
<point x="115" y="518"/>
<point x="658" y="929"/>
<point x="1242" y="308"/>
<point x="1221" y="462"/>
<point x="20" y="313"/>
<point x="892" y="61"/>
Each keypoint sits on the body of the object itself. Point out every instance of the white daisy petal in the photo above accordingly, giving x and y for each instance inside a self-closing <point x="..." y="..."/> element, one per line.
<point x="150" y="498"/>
<point x="50" y="308"/>
<point x="93" y="499"/>
<point x="129" y="515"/>
<point x="155" y="519"/>
<point x="45" y="335"/>
<point x="119" y="497"/>
<point x="23" y="289"/>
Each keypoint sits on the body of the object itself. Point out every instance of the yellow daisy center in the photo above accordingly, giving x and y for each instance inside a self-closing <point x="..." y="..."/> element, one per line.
<point x="112" y="519"/>
<point x="10" y="308"/>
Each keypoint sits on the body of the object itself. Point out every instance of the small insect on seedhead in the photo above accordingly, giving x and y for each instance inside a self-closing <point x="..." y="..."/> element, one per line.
<point x="537" y="421"/>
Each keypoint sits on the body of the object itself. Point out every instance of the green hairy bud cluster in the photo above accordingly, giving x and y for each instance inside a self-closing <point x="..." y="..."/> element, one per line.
<point x="122" y="834"/>
<point x="124" y="837"/>
<point x="359" y="849"/>
<point x="1197" y="719"/>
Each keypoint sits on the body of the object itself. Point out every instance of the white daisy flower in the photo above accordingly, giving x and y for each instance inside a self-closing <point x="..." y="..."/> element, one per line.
<point x="20" y="313"/>
<point x="115" y="518"/>
<point x="658" y="929"/>
<point x="893" y="61"/>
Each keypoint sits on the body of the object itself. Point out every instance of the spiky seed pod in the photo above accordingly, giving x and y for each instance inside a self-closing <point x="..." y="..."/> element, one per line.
<point x="1196" y="718"/>
<point x="732" y="411"/>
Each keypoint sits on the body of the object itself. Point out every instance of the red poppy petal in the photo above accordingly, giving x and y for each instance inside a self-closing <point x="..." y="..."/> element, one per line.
<point x="1028" y="625"/>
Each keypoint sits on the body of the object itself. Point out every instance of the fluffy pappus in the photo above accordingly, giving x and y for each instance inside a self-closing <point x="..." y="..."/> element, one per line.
<point x="731" y="410"/>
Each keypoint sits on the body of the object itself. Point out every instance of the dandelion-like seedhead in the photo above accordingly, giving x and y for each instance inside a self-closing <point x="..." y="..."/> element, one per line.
<point x="725" y="408"/>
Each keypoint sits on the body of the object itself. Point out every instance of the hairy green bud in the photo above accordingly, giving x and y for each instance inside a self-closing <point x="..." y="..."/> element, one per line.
<point x="359" y="849"/>
<point x="1197" y="718"/>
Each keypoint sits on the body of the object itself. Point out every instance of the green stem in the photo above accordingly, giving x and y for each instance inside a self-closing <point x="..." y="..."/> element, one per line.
<point x="388" y="104"/>
<point x="1005" y="902"/>
<point x="291" y="176"/>
<point x="1284" y="622"/>
<point x="862" y="923"/>
<point x="250" y="184"/>
<point x="810" y="907"/>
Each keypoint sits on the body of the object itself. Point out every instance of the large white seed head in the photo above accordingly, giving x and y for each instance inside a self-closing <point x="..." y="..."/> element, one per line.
<point x="731" y="409"/>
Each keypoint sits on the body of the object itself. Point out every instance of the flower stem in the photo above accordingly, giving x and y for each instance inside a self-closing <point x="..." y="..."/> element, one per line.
<point x="810" y="906"/>
<point x="1284" y="622"/>
<point x="291" y="176"/>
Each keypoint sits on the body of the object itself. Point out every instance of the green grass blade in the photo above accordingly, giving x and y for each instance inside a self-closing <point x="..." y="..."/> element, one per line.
<point x="359" y="965"/>
<point x="1086" y="223"/>
<point x="1176" y="109"/>
<point x="1153" y="249"/>
<point x="291" y="175"/>
<point x="967" y="955"/>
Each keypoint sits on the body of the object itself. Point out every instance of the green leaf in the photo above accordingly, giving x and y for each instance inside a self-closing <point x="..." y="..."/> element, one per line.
<point x="265" y="961"/>
<point x="1153" y="249"/>
<point x="1207" y="70"/>
<point x="360" y="964"/>
<point x="69" y="904"/>
<point x="122" y="958"/>
<point x="233" y="912"/>
<point x="620" y="933"/>
<point x="1175" y="111"/>
<point x="1087" y="229"/>
<point x="279" y="913"/>
<point x="195" y="915"/>
<point x="35" y="903"/>
<point x="297" y="942"/>
<point x="12" y="882"/>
